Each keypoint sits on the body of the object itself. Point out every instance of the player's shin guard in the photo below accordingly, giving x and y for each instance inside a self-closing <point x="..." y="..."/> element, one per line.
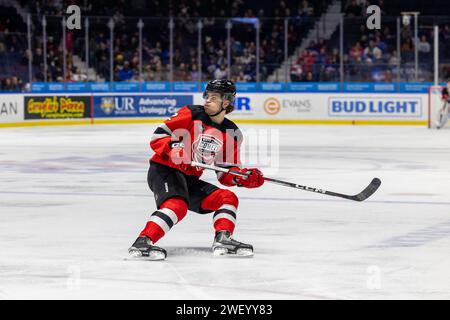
<point x="162" y="220"/>
<point x="225" y="204"/>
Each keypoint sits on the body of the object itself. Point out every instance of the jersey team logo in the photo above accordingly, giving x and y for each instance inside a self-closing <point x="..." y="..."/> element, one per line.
<point x="205" y="148"/>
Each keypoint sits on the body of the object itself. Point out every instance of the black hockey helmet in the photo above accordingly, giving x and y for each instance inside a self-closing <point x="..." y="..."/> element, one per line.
<point x="226" y="88"/>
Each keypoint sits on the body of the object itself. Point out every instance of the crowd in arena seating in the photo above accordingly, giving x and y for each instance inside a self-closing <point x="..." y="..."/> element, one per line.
<point x="156" y="53"/>
<point x="369" y="55"/>
<point x="12" y="52"/>
<point x="13" y="84"/>
<point x="316" y="63"/>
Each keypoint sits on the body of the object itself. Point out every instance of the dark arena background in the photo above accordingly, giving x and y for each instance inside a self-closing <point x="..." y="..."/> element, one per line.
<point x="329" y="95"/>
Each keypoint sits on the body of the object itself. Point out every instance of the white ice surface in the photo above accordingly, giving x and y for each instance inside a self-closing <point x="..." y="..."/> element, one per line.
<point x="73" y="199"/>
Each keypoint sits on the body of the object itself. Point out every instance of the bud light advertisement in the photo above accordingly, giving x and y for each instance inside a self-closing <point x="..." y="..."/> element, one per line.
<point x="400" y="107"/>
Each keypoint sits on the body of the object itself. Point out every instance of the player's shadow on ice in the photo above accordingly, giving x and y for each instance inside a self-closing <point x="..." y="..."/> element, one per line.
<point x="188" y="251"/>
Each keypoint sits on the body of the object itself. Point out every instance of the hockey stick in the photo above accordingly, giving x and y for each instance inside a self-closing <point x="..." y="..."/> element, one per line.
<point x="363" y="195"/>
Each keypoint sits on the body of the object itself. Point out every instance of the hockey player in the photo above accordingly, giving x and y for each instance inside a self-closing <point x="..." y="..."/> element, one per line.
<point x="203" y="134"/>
<point x="443" y="113"/>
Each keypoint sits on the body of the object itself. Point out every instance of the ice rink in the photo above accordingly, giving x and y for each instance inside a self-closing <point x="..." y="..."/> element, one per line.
<point x="74" y="198"/>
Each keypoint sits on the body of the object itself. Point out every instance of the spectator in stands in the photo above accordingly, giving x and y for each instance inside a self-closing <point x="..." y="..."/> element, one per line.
<point x="181" y="73"/>
<point x="5" y="25"/>
<point x="321" y="57"/>
<point x="393" y="59"/>
<point x="356" y="52"/>
<point x="307" y="10"/>
<point x="296" y="72"/>
<point x="103" y="66"/>
<point x="211" y="68"/>
<point x="38" y="57"/>
<point x="330" y="72"/>
<point x="381" y="44"/>
<point x="353" y="9"/>
<point x="335" y="56"/>
<point x="236" y="46"/>
<point x="372" y="53"/>
<point x="445" y="72"/>
<point x="221" y="72"/>
<point x="364" y="41"/>
<point x="2" y="48"/>
<point x="148" y="74"/>
<point x="69" y="76"/>
<point x="388" y="76"/>
<point x="39" y="73"/>
<point x="407" y="49"/>
<point x="6" y="84"/>
<point x="445" y="34"/>
<point x="125" y="73"/>
<point x="309" y="77"/>
<point x="13" y="84"/>
<point x="77" y="76"/>
<point x="243" y="77"/>
<point x="194" y="74"/>
<point x="157" y="67"/>
<point x="388" y="36"/>
<point x="308" y="59"/>
<point x="406" y="32"/>
<point x="424" y="46"/>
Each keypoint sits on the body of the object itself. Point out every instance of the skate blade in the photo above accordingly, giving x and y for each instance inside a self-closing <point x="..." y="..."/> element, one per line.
<point x="223" y="252"/>
<point x="244" y="253"/>
<point x="153" y="256"/>
<point x="217" y="252"/>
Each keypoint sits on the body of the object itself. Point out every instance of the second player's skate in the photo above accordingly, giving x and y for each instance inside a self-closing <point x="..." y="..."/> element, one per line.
<point x="143" y="248"/>
<point x="225" y="245"/>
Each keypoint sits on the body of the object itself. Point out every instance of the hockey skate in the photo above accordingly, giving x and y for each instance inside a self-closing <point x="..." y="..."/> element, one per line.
<point x="224" y="245"/>
<point x="143" y="248"/>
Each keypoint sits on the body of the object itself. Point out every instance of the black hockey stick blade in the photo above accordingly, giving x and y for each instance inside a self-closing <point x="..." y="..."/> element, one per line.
<point x="368" y="191"/>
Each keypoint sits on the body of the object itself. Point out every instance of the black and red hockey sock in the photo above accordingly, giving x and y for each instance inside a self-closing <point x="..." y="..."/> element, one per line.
<point x="171" y="212"/>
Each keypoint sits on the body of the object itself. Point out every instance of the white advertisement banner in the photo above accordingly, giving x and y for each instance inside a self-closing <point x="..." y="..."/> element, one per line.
<point x="272" y="106"/>
<point x="313" y="107"/>
<point x="328" y="106"/>
<point x="11" y="108"/>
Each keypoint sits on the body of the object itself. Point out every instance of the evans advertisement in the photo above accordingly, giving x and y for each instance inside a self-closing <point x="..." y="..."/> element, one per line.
<point x="160" y="106"/>
<point x="11" y="108"/>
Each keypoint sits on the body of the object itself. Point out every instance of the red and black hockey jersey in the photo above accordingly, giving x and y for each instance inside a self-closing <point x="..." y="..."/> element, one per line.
<point x="204" y="140"/>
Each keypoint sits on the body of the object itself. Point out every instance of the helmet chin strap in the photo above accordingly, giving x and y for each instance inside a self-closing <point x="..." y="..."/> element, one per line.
<point x="220" y="111"/>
